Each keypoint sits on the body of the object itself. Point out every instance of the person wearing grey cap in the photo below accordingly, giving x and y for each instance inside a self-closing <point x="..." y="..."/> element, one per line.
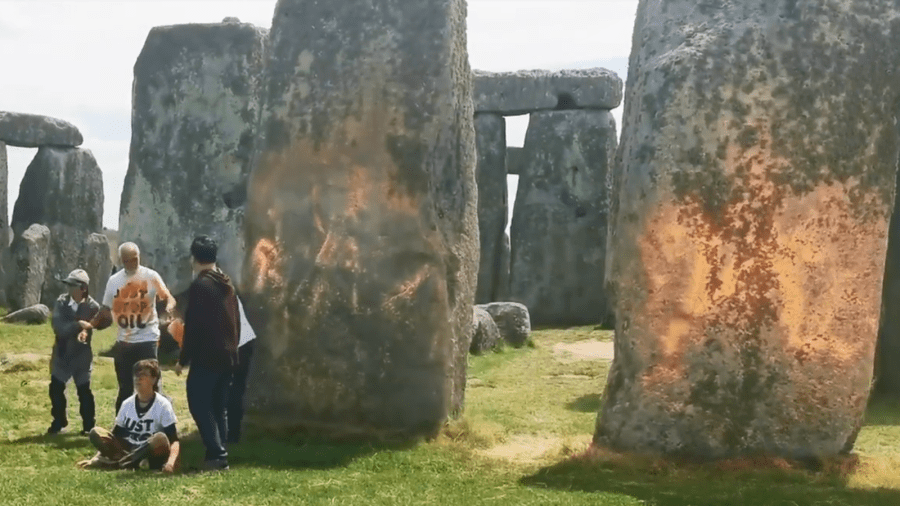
<point x="72" y="355"/>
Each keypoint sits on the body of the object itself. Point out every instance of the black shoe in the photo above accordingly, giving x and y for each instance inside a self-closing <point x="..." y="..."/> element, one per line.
<point x="214" y="465"/>
<point x="56" y="428"/>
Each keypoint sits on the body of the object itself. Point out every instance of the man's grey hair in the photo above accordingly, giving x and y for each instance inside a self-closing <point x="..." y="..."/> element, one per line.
<point x="130" y="246"/>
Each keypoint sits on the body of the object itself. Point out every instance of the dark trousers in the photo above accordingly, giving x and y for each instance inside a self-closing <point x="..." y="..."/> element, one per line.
<point x="236" y="393"/>
<point x="207" y="397"/>
<point x="58" y="404"/>
<point x="125" y="356"/>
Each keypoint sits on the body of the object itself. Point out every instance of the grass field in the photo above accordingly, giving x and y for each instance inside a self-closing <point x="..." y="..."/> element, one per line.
<point x="524" y="439"/>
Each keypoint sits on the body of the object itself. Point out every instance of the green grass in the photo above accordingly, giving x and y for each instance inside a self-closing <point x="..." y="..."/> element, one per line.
<point x="524" y="440"/>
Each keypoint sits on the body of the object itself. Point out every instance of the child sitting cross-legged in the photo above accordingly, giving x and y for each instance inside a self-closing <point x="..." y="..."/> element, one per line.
<point x="145" y="432"/>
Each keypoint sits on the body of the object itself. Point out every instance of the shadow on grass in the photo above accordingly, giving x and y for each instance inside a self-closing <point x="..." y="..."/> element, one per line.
<point x="589" y="403"/>
<point x="883" y="410"/>
<point x="63" y="441"/>
<point x="735" y="483"/>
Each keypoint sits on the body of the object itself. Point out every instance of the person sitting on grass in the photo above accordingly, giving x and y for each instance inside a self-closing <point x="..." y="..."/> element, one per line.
<point x="145" y="429"/>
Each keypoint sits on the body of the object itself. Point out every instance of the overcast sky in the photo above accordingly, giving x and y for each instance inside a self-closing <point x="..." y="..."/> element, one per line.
<point x="74" y="59"/>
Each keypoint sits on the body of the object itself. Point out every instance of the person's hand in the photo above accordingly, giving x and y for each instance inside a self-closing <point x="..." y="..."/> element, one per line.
<point x="85" y="325"/>
<point x="82" y="336"/>
<point x="178" y="369"/>
<point x="170" y="304"/>
<point x="168" y="468"/>
<point x="84" y="464"/>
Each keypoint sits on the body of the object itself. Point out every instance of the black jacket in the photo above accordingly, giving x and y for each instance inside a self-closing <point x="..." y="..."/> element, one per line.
<point x="212" y="324"/>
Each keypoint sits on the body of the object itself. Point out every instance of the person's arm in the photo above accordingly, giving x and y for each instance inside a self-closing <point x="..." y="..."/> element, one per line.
<point x="102" y="319"/>
<point x="174" y="460"/>
<point x="63" y="320"/>
<point x="194" y="312"/>
<point x="163" y="293"/>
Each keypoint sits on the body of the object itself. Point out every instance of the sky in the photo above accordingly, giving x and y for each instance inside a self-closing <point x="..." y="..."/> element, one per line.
<point x="74" y="59"/>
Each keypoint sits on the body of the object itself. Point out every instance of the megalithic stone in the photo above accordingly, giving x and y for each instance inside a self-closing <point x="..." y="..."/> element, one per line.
<point x="888" y="350"/>
<point x="361" y="223"/>
<point x="5" y="234"/>
<point x="63" y="189"/>
<point x="97" y="263"/>
<point x="758" y="161"/>
<point x="493" y="209"/>
<point x="27" y="266"/>
<point x="194" y="117"/>
<point x="558" y="231"/>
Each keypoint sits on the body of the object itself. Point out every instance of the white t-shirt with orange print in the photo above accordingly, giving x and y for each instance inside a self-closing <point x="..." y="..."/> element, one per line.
<point x="132" y="300"/>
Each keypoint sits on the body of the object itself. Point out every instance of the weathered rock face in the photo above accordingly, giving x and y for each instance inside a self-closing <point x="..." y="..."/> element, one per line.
<point x="4" y="221"/>
<point x="196" y="104"/>
<point x="527" y="91"/>
<point x="758" y="162"/>
<point x="514" y="160"/>
<point x="63" y="189"/>
<point x="490" y="140"/>
<point x="32" y="315"/>
<point x="486" y="335"/>
<point x="888" y="353"/>
<point x="35" y="131"/>
<point x="27" y="266"/>
<point x="97" y="263"/>
<point x="558" y="231"/>
<point x="362" y="231"/>
<point x="512" y="319"/>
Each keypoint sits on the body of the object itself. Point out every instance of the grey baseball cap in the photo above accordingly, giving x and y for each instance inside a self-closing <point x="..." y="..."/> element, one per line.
<point x="77" y="277"/>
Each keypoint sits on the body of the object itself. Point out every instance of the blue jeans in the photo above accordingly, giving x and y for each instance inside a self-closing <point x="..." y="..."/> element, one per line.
<point x="207" y="397"/>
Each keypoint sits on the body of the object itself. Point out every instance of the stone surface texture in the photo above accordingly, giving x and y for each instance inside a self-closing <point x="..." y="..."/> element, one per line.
<point x="35" y="131"/>
<point x="95" y="260"/>
<point x="33" y="315"/>
<point x="362" y="230"/>
<point x="486" y="335"/>
<point x="493" y="207"/>
<point x="196" y="106"/>
<point x="5" y="234"/>
<point x="62" y="189"/>
<point x="512" y="319"/>
<point x="758" y="167"/>
<point x="27" y="266"/>
<point x="514" y="160"/>
<point x="527" y="91"/>
<point x="558" y="231"/>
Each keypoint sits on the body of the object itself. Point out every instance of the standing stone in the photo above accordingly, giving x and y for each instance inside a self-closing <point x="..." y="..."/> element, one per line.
<point x="362" y="230"/>
<point x="4" y="221"/>
<point x="97" y="263"/>
<point x="196" y="103"/>
<point x="758" y="168"/>
<point x="63" y="189"/>
<point x="888" y="350"/>
<point x="490" y="142"/>
<point x="27" y="266"/>
<point x="35" y="131"/>
<point x="558" y="231"/>
<point x="514" y="160"/>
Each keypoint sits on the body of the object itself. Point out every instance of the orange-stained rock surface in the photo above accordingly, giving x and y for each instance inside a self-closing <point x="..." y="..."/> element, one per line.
<point x="751" y="207"/>
<point x="361" y="225"/>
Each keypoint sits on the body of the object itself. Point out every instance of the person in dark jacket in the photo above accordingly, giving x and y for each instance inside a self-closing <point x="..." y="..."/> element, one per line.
<point x="72" y="356"/>
<point x="210" y="348"/>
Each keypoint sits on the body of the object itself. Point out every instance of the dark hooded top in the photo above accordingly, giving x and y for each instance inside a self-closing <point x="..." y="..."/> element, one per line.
<point x="212" y="323"/>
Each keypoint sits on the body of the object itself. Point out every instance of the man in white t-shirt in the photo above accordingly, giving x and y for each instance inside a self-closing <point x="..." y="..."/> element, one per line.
<point x="130" y="301"/>
<point x="145" y="428"/>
